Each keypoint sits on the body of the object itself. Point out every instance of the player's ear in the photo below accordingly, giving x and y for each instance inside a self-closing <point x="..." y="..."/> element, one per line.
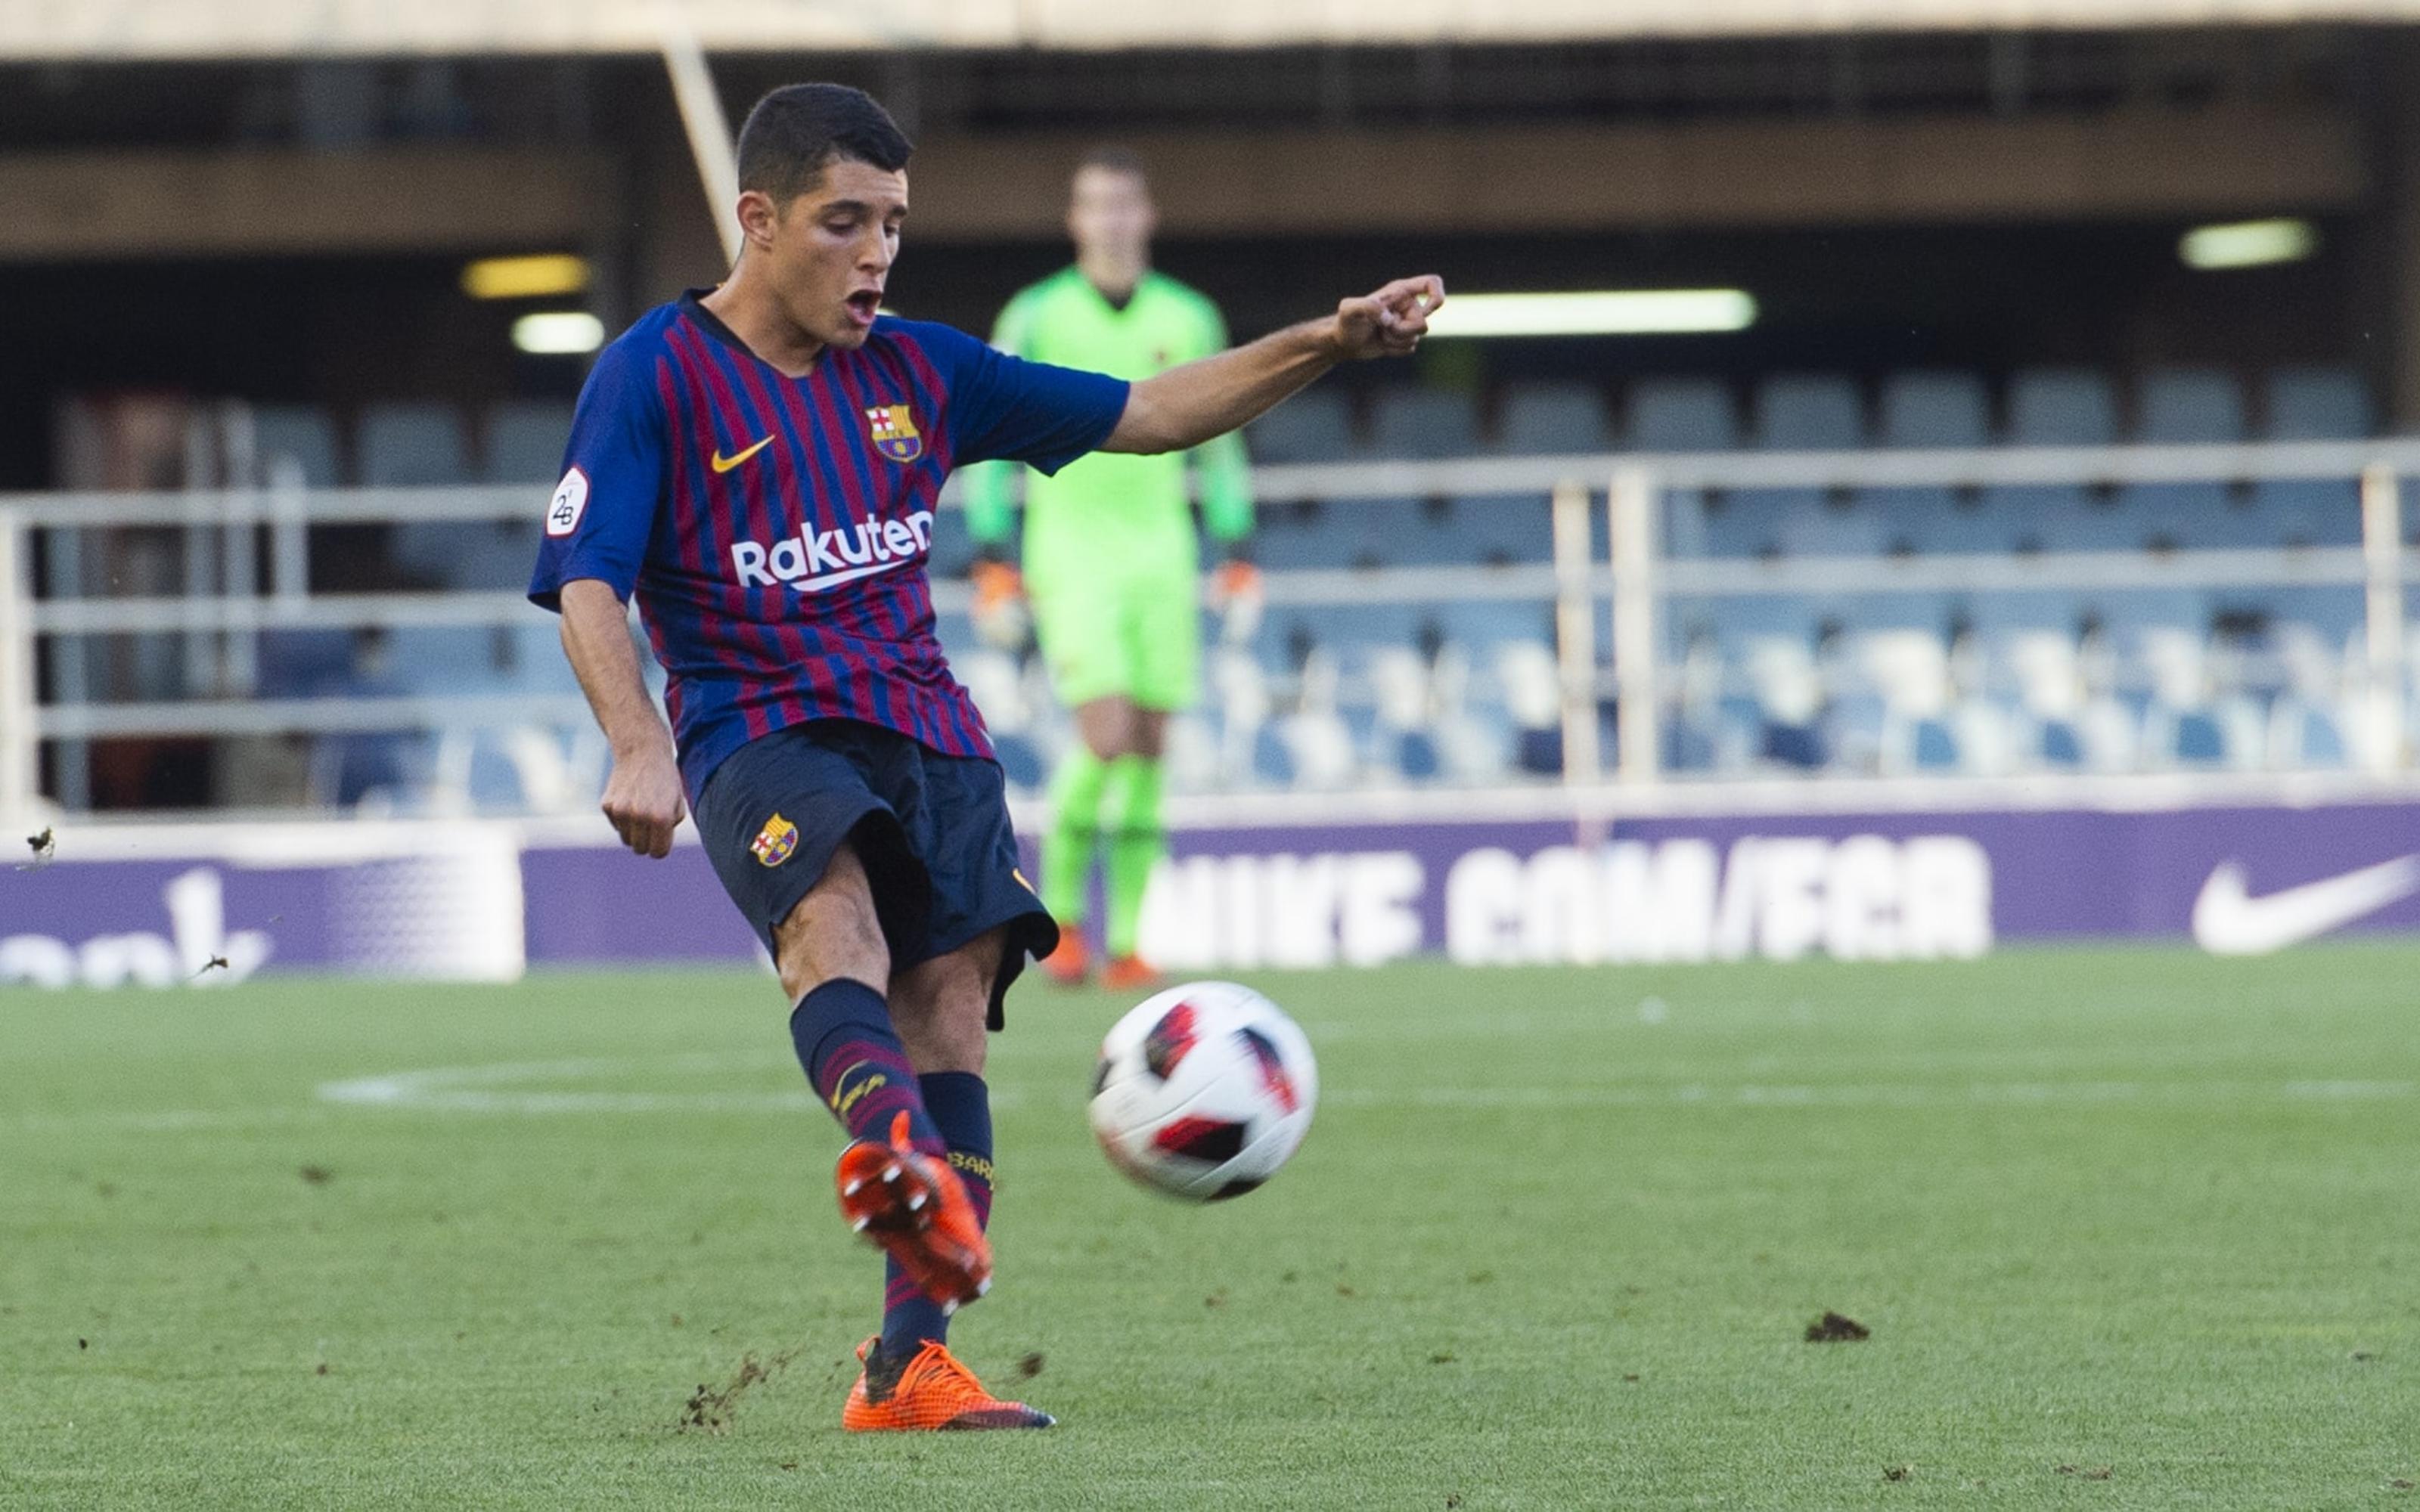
<point x="759" y="217"/>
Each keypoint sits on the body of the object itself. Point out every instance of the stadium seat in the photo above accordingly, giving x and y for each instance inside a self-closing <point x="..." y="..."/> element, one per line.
<point x="1488" y="530"/>
<point x="2304" y="512"/>
<point x="424" y="445"/>
<point x="2061" y="407"/>
<point x="300" y="438"/>
<point x="525" y="441"/>
<point x="1315" y="425"/>
<point x="2185" y="405"/>
<point x="2305" y="404"/>
<point x="1808" y="413"/>
<point x="1021" y="764"/>
<point x="1935" y="410"/>
<point x="1799" y="414"/>
<point x="1553" y="418"/>
<point x="2314" y="404"/>
<point x="1424" y="422"/>
<point x="2303" y="735"/>
<point x="1941" y="410"/>
<point x="413" y="445"/>
<point x="992" y="678"/>
<point x="1683" y="415"/>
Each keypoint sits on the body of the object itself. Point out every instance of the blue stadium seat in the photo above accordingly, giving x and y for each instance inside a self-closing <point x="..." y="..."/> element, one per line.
<point x="297" y="436"/>
<point x="413" y="445"/>
<point x="1931" y="747"/>
<point x="2308" y="510"/>
<point x="1935" y="410"/>
<point x="1799" y="414"/>
<point x="2188" y="405"/>
<point x="436" y="659"/>
<point x="1941" y="410"/>
<point x="1315" y="425"/>
<point x="422" y="445"/>
<point x="1691" y="415"/>
<point x="2182" y="404"/>
<point x="2313" y="404"/>
<point x="1808" y="413"/>
<point x="2061" y="407"/>
<point x="1498" y="528"/>
<point x="1683" y="415"/>
<point x="525" y="441"/>
<point x="1020" y="761"/>
<point x="2306" y="404"/>
<point x="1553" y="418"/>
<point x="1424" y="422"/>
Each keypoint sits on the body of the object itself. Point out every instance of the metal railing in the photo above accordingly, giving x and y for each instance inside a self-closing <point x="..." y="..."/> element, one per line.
<point x="223" y="606"/>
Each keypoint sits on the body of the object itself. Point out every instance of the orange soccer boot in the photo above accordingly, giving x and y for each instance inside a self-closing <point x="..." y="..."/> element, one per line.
<point x="926" y="1391"/>
<point x="1129" y="973"/>
<point x="1072" y="961"/>
<point x="915" y="1207"/>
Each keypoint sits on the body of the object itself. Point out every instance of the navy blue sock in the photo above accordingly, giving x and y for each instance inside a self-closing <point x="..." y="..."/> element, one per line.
<point x="859" y="1067"/>
<point x="960" y="1106"/>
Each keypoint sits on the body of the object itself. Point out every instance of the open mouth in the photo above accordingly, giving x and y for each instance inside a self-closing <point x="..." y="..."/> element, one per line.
<point x="864" y="304"/>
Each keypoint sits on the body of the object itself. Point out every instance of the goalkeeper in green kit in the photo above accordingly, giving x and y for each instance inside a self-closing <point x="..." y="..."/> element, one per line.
<point x="1112" y="565"/>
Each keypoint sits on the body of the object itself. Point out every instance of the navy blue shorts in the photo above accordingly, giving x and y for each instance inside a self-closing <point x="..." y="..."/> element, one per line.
<point x="932" y="830"/>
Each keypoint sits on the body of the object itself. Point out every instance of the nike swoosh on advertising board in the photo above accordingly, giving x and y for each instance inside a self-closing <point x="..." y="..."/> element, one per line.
<point x="2229" y="920"/>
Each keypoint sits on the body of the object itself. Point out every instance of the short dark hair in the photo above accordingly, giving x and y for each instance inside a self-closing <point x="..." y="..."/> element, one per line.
<point x="799" y="130"/>
<point x="1115" y="158"/>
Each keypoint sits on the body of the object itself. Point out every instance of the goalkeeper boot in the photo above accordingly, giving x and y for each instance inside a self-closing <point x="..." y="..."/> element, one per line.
<point x="924" y="1391"/>
<point x="917" y="1209"/>
<point x="1072" y="961"/>
<point x="1130" y="973"/>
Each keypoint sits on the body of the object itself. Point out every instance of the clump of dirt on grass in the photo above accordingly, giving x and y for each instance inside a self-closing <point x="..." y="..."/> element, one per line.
<point x="1030" y="1366"/>
<point x="315" y="1175"/>
<point x="1898" y="1472"/>
<point x="710" y="1410"/>
<point x="2087" y="1472"/>
<point x="1837" y="1328"/>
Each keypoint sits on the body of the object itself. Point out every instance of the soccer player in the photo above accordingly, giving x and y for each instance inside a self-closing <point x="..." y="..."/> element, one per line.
<point x="759" y="463"/>
<point x="1109" y="558"/>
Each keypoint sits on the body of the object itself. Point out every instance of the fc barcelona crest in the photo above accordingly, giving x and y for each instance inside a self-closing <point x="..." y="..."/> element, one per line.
<point x="775" y="842"/>
<point x="894" y="429"/>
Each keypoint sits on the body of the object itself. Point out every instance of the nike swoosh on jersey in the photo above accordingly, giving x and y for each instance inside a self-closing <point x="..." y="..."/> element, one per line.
<point x="725" y="464"/>
<point x="2229" y="920"/>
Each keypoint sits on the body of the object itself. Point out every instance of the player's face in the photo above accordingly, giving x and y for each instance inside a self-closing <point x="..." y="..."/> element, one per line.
<point x="830" y="253"/>
<point x="1110" y="216"/>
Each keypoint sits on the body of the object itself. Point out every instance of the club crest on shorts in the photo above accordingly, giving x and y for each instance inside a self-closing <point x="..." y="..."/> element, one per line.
<point x="775" y="842"/>
<point x="894" y="429"/>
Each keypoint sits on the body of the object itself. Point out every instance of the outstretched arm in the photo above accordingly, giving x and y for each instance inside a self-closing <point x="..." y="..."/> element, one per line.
<point x="642" y="793"/>
<point x="1187" y="405"/>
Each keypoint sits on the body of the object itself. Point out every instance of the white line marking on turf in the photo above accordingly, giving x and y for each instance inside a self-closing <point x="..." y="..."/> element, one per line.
<point x="504" y="1089"/>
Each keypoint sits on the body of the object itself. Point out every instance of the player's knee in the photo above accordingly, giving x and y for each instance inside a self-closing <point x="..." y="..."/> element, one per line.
<point x="833" y="932"/>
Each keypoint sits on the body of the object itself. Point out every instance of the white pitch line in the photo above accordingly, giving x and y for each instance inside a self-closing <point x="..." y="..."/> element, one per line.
<point x="490" y="1090"/>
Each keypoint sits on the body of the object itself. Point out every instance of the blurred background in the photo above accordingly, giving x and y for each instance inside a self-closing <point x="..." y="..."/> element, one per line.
<point x="2021" y="441"/>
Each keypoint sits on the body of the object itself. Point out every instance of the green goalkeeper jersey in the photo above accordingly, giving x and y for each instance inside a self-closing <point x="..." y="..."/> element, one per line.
<point x="1112" y="513"/>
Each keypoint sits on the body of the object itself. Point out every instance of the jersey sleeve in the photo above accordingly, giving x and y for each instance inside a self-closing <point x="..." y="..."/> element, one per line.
<point x="614" y="470"/>
<point x="1007" y="408"/>
<point x="1221" y="463"/>
<point x="991" y="486"/>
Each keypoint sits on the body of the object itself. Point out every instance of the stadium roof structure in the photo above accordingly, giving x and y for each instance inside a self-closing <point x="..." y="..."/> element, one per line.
<point x="97" y="30"/>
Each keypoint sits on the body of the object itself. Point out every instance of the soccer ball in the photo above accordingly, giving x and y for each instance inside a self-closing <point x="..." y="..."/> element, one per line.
<point x="1204" y="1092"/>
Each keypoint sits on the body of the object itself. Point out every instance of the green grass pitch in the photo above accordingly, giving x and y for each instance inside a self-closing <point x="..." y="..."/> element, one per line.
<point x="2131" y="1228"/>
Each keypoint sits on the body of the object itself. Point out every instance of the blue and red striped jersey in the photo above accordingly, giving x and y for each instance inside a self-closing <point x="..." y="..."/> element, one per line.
<point x="776" y="529"/>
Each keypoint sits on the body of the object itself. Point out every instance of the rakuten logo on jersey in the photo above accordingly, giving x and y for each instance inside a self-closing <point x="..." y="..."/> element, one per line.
<point x="813" y="560"/>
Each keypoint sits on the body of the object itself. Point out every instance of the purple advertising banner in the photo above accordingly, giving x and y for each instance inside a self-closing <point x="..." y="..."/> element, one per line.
<point x="474" y="902"/>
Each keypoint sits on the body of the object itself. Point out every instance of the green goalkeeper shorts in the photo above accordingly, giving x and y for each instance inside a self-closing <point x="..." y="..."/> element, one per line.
<point x="1132" y="634"/>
